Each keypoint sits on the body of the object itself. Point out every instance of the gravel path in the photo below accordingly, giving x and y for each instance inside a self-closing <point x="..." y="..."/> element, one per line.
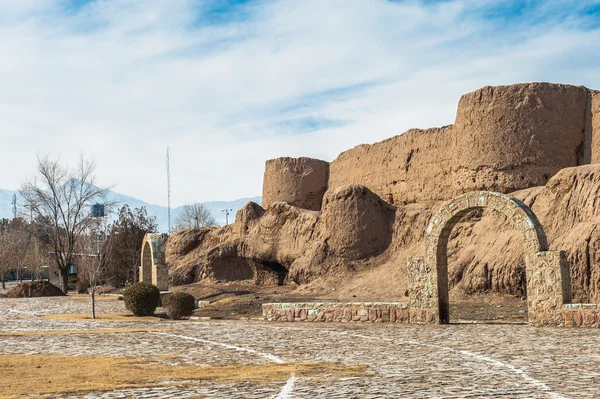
<point x="452" y="361"/>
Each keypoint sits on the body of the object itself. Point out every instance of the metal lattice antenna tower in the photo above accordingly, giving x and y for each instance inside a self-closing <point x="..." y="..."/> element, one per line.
<point x="14" y="204"/>
<point x="168" y="192"/>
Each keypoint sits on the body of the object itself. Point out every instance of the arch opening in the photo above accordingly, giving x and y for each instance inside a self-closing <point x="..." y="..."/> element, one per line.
<point x="146" y="274"/>
<point x="484" y="270"/>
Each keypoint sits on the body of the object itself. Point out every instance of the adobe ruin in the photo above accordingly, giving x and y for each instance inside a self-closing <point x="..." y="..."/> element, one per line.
<point x="369" y="209"/>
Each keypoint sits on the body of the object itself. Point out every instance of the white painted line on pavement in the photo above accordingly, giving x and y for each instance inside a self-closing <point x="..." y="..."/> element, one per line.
<point x="539" y="384"/>
<point x="286" y="391"/>
<point x="272" y="358"/>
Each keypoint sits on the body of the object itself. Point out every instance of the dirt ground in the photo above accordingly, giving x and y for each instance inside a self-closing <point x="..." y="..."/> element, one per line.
<point x="244" y="300"/>
<point x="239" y="299"/>
<point x="489" y="308"/>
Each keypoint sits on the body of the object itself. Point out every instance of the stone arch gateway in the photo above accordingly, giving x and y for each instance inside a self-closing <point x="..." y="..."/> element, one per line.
<point x="547" y="272"/>
<point x="153" y="268"/>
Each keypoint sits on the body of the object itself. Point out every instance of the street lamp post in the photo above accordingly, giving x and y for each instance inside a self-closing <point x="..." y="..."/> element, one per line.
<point x="227" y="211"/>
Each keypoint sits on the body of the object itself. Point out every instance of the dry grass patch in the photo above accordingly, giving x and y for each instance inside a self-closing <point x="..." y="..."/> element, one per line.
<point x="228" y="299"/>
<point x="101" y="317"/>
<point x="71" y="332"/>
<point x="48" y="374"/>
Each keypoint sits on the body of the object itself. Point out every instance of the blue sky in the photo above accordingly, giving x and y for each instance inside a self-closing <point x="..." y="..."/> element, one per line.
<point x="230" y="84"/>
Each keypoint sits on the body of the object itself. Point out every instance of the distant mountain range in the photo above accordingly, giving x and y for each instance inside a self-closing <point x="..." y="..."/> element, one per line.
<point x="160" y="212"/>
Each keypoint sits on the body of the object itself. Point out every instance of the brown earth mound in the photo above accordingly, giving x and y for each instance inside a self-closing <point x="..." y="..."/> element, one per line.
<point x="284" y="241"/>
<point x="34" y="289"/>
<point x="355" y="222"/>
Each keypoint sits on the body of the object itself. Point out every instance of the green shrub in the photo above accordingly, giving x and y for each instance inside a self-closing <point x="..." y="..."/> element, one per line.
<point x="179" y="305"/>
<point x="142" y="299"/>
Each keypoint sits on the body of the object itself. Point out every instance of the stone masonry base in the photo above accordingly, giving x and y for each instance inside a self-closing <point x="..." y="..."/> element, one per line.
<point x="582" y="315"/>
<point x="575" y="314"/>
<point x="384" y="312"/>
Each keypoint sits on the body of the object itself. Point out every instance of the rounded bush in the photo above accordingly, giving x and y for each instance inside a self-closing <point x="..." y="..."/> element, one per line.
<point x="142" y="299"/>
<point x="179" y="305"/>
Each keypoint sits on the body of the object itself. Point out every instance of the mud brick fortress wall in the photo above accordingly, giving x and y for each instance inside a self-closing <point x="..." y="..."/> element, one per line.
<point x="504" y="139"/>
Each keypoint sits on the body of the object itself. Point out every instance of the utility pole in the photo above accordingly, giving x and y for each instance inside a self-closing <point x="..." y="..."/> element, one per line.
<point x="227" y="211"/>
<point x="14" y="204"/>
<point x="168" y="193"/>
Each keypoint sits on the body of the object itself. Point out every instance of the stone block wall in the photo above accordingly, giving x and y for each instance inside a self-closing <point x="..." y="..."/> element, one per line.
<point x="548" y="287"/>
<point x="157" y="275"/>
<point x="423" y="292"/>
<point x="581" y="315"/>
<point x="572" y="314"/>
<point x="160" y="277"/>
<point x="376" y="312"/>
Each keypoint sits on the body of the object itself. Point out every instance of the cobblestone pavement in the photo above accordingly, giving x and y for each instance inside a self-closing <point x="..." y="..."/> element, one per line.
<point x="405" y="361"/>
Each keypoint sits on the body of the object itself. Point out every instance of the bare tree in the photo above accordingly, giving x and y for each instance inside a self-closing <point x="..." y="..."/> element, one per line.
<point x="13" y="243"/>
<point x="19" y="247"/>
<point x="92" y="262"/>
<point x="5" y="255"/>
<point x="194" y="216"/>
<point x="60" y="199"/>
<point x="36" y="257"/>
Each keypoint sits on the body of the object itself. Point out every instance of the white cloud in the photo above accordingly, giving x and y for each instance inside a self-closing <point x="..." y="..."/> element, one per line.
<point x="113" y="78"/>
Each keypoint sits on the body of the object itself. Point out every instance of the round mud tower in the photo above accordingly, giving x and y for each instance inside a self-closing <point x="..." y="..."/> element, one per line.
<point x="300" y="182"/>
<point x="514" y="137"/>
<point x="355" y="222"/>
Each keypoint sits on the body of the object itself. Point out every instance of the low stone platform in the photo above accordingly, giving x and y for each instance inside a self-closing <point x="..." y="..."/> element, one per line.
<point x="376" y="312"/>
<point x="575" y="314"/>
<point x="581" y="315"/>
